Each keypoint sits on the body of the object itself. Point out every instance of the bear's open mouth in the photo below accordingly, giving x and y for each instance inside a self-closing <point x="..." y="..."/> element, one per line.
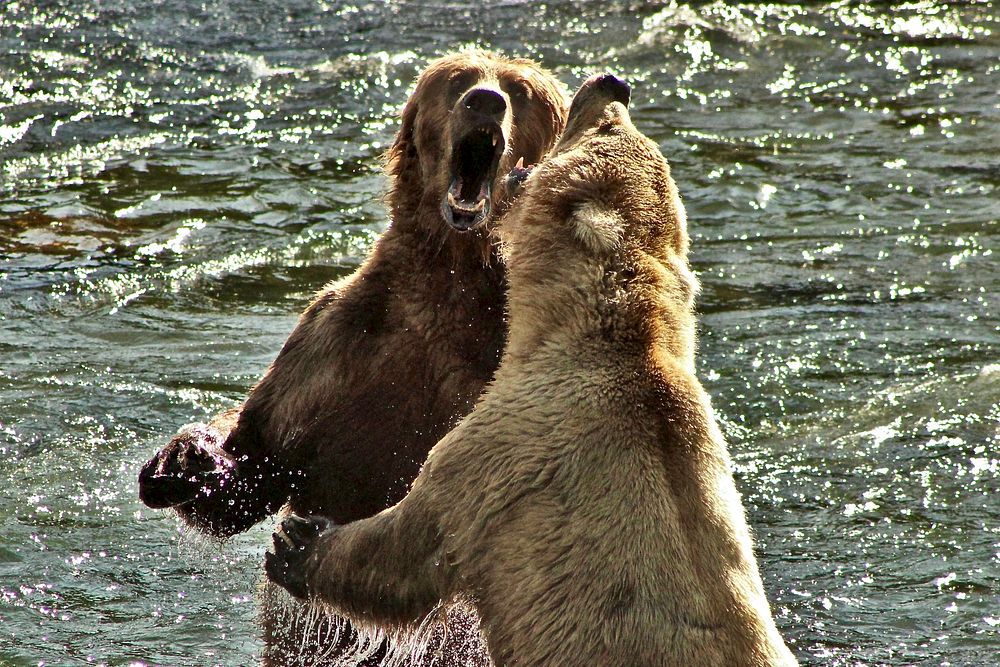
<point x="474" y="161"/>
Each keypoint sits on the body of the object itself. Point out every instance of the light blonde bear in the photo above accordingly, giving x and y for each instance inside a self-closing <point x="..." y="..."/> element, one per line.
<point x="586" y="507"/>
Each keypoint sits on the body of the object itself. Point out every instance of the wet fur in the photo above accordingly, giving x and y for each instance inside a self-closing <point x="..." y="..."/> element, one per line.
<point x="317" y="634"/>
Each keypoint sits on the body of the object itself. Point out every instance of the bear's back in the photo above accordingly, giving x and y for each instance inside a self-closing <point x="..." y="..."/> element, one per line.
<point x="586" y="526"/>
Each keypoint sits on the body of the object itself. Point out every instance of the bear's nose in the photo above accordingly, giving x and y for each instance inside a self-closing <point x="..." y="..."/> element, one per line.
<point x="615" y="88"/>
<point x="486" y="101"/>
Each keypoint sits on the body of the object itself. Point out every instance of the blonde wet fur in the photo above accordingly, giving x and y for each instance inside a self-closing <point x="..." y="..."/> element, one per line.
<point x="586" y="506"/>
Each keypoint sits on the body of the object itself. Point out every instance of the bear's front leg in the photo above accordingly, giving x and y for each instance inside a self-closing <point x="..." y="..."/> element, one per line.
<point x="293" y="543"/>
<point x="388" y="569"/>
<point x="212" y="489"/>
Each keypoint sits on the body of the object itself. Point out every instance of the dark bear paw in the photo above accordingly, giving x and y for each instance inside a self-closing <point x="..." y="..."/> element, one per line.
<point x="293" y="543"/>
<point x="517" y="176"/>
<point x="191" y="464"/>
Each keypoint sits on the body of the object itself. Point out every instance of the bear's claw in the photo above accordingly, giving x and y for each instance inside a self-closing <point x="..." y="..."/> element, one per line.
<point x="183" y="469"/>
<point x="517" y="176"/>
<point x="292" y="542"/>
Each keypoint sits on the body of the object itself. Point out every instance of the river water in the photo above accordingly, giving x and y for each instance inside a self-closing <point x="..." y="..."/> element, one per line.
<point x="177" y="177"/>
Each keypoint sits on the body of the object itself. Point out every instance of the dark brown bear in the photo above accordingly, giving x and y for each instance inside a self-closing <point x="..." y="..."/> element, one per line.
<point x="383" y="363"/>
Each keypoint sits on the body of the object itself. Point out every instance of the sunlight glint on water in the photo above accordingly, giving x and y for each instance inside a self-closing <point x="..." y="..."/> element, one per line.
<point x="176" y="179"/>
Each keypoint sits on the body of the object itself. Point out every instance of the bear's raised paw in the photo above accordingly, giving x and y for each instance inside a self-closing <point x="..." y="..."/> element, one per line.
<point x="292" y="545"/>
<point x="184" y="468"/>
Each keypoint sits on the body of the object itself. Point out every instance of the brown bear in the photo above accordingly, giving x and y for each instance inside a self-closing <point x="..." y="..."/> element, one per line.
<point x="383" y="363"/>
<point x="586" y="506"/>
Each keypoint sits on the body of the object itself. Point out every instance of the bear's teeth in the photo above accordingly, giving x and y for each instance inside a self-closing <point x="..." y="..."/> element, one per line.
<point x="464" y="206"/>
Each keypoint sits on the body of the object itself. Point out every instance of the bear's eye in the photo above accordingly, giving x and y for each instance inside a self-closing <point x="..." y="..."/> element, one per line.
<point x="609" y="128"/>
<point x="517" y="90"/>
<point x="629" y="272"/>
<point x="458" y="83"/>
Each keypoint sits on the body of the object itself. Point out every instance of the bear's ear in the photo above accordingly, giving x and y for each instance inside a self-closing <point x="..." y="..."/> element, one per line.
<point x="597" y="227"/>
<point x="402" y="157"/>
<point x="554" y="98"/>
<point x="680" y="216"/>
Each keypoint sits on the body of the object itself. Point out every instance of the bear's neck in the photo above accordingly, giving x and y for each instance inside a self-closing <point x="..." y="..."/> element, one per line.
<point x="554" y="309"/>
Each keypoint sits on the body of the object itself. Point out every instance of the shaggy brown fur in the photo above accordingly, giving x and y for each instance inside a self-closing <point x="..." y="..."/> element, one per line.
<point x="383" y="363"/>
<point x="586" y="505"/>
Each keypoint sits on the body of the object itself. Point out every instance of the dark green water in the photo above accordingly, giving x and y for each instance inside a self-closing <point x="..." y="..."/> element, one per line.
<point x="176" y="178"/>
